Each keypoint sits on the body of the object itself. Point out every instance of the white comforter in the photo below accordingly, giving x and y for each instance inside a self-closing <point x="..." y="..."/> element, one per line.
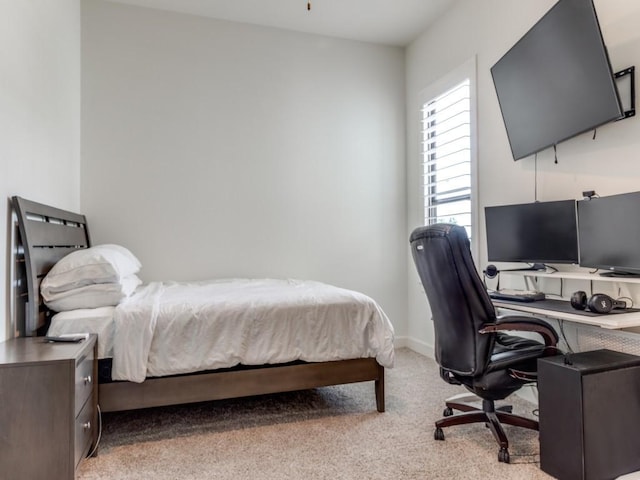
<point x="172" y="328"/>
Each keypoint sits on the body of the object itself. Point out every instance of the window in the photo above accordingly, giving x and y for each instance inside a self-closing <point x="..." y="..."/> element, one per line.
<point x="446" y="157"/>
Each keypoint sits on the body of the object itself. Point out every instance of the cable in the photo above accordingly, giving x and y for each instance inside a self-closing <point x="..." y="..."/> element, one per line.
<point x="564" y="337"/>
<point x="535" y="177"/>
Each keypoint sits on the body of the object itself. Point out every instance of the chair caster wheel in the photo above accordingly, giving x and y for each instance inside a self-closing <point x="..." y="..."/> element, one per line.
<point x="503" y="455"/>
<point x="438" y="434"/>
<point x="447" y="412"/>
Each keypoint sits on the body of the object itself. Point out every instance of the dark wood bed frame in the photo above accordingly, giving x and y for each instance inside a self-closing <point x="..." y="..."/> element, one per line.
<point x="46" y="234"/>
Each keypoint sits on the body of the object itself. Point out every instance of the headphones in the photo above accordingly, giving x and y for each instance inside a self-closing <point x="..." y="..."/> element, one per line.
<point x="597" y="303"/>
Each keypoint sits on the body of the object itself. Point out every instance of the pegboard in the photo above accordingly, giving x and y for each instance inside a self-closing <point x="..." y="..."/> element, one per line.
<point x="581" y="338"/>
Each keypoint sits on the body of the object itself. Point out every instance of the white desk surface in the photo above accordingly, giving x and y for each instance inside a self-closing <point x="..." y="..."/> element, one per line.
<point x="612" y="322"/>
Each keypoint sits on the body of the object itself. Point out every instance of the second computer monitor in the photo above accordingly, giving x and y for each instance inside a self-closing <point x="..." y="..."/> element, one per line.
<point x="609" y="233"/>
<point x="540" y="232"/>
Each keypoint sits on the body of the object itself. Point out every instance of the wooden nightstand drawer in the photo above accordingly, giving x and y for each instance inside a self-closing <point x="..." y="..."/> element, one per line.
<point x="84" y="432"/>
<point x="84" y="380"/>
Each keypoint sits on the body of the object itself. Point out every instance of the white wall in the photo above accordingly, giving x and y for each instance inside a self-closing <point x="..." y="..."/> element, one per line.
<point x="39" y="114"/>
<point x="218" y="149"/>
<point x="609" y="164"/>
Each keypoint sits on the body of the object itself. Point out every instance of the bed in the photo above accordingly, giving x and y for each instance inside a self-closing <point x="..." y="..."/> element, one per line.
<point x="47" y="234"/>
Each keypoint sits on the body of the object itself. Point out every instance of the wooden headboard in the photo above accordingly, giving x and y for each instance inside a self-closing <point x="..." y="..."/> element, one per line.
<point x="45" y="235"/>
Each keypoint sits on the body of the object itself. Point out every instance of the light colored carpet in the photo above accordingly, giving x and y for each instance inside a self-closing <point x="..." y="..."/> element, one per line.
<point x="329" y="433"/>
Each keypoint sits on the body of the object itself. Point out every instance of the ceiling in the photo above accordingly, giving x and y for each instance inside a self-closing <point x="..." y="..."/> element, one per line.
<point x="389" y="22"/>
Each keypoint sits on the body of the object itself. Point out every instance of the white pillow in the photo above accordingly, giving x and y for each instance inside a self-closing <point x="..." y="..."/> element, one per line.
<point x="100" y="264"/>
<point x="92" y="296"/>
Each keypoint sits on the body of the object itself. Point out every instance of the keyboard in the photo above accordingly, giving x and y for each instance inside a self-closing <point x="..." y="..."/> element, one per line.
<point x="517" y="295"/>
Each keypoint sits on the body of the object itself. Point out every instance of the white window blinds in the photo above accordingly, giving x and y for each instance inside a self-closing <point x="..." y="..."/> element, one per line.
<point x="446" y="157"/>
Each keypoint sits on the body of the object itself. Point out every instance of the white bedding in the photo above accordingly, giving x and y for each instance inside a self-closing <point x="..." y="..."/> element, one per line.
<point x="171" y="328"/>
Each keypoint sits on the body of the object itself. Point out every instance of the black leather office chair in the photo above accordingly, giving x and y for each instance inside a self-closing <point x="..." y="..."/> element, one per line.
<point x="470" y="344"/>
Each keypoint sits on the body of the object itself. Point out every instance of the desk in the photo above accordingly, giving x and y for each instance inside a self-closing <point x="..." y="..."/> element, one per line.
<point x="562" y="310"/>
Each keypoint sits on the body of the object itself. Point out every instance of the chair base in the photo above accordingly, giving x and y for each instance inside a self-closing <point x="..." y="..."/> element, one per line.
<point x="491" y="416"/>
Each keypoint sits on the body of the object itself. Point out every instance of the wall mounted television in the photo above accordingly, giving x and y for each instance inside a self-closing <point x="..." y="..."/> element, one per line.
<point x="608" y="233"/>
<point x="540" y="232"/>
<point x="556" y="81"/>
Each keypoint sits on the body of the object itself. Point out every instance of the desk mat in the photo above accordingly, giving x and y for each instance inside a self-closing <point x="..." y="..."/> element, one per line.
<point x="565" y="307"/>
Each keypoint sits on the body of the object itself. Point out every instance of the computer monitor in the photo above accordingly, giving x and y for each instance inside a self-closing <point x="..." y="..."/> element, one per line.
<point x="609" y="233"/>
<point x="540" y="232"/>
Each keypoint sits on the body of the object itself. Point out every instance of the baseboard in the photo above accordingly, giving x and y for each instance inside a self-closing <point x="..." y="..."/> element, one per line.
<point x="401" y="342"/>
<point x="418" y="346"/>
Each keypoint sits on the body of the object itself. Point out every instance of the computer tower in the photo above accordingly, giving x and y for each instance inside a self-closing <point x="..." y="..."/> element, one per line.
<point x="589" y="405"/>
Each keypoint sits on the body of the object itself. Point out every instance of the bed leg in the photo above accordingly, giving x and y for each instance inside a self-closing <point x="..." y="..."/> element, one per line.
<point x="379" y="387"/>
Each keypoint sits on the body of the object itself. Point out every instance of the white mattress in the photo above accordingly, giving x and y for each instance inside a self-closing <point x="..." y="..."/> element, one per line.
<point x="172" y="328"/>
<point x="88" y="320"/>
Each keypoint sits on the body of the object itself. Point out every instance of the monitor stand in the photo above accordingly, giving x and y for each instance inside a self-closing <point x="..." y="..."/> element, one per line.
<point x="534" y="267"/>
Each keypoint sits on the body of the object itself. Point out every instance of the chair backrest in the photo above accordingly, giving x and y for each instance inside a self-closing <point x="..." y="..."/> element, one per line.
<point x="459" y="302"/>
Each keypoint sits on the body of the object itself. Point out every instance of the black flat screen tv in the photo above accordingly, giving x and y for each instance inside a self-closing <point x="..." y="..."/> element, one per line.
<point x="556" y="81"/>
<point x="540" y="232"/>
<point x="609" y="234"/>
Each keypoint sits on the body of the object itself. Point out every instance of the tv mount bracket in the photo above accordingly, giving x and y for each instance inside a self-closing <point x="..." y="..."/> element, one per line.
<point x="632" y="90"/>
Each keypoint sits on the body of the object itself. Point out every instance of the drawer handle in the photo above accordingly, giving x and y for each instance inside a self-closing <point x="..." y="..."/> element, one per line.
<point x="87" y="379"/>
<point x="86" y="426"/>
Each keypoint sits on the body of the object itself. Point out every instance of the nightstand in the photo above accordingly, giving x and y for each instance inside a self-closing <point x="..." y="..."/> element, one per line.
<point x="48" y="406"/>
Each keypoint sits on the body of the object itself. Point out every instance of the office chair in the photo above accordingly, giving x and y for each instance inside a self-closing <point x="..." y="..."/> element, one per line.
<point x="471" y="347"/>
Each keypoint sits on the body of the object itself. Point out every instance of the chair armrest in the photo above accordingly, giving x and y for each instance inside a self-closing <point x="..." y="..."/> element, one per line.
<point x="524" y="324"/>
